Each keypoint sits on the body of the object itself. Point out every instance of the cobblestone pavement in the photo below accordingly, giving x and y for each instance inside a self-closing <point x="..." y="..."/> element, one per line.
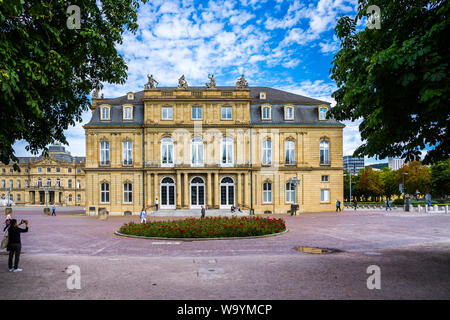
<point x="411" y="249"/>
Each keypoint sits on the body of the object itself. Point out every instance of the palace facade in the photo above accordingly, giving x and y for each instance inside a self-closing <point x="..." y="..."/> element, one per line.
<point x="257" y="147"/>
<point x="57" y="177"/>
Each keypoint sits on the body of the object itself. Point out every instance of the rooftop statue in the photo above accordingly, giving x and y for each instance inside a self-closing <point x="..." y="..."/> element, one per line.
<point x="212" y="83"/>
<point x="241" y="83"/>
<point x="95" y="93"/>
<point x="151" y="82"/>
<point x="182" y="83"/>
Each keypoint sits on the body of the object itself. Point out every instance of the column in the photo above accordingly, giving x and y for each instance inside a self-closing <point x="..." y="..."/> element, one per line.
<point x="178" y="190"/>
<point x="186" y="188"/>
<point x="297" y="149"/>
<point x="216" y="190"/>
<point x="149" y="195"/>
<point x="208" y="191"/>
<point x="156" y="189"/>
<point x="239" y="188"/>
<point x="246" y="190"/>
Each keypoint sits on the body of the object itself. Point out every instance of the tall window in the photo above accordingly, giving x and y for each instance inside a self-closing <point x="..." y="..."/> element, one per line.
<point x="3" y="184"/>
<point x="49" y="169"/>
<point x="267" y="192"/>
<point x="58" y="169"/>
<point x="290" y="152"/>
<point x="127" y="153"/>
<point x="11" y="184"/>
<point x="167" y="152"/>
<point x="70" y="197"/>
<point x="105" y="114"/>
<point x="39" y="183"/>
<point x="290" y="192"/>
<point x="58" y="182"/>
<point x="324" y="152"/>
<point x="39" y="169"/>
<point x="227" y="113"/>
<point x="79" y="197"/>
<point x="26" y="183"/>
<point x="289" y="113"/>
<point x="267" y="152"/>
<point x="325" y="195"/>
<point x="227" y="151"/>
<point x="78" y="184"/>
<point x="69" y="184"/>
<point x="167" y="113"/>
<point x="127" y="192"/>
<point x="104" y="192"/>
<point x="197" y="152"/>
<point x="49" y="183"/>
<point x="266" y="113"/>
<point x="127" y="113"/>
<point x="322" y="113"/>
<point x="18" y="184"/>
<point x="197" y="113"/>
<point x="69" y="170"/>
<point x="104" y="153"/>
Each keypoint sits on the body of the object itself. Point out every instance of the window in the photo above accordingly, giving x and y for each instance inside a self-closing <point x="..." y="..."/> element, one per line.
<point x="104" y="113"/>
<point x="104" y="153"/>
<point x="69" y="184"/>
<point x="290" y="192"/>
<point x="78" y="170"/>
<point x="266" y="113"/>
<point x="127" y="193"/>
<point x="166" y="152"/>
<point x="167" y="113"/>
<point x="11" y="184"/>
<point x="197" y="113"/>
<point x="78" y="184"/>
<point x="262" y="96"/>
<point x="267" y="152"/>
<point x="267" y="192"/>
<point x="58" y="183"/>
<point x="290" y="152"/>
<point x="197" y="152"/>
<point x="325" y="179"/>
<point x="49" y="169"/>
<point x="58" y="169"/>
<point x="39" y="169"/>
<point x="128" y="113"/>
<point x="39" y="183"/>
<point x="26" y="170"/>
<point x="104" y="192"/>
<point x="18" y="197"/>
<point x="3" y="184"/>
<point x="11" y="170"/>
<point x="49" y="183"/>
<point x="3" y="170"/>
<point x="323" y="113"/>
<point x="227" y="152"/>
<point x="79" y="197"/>
<point x="288" y="113"/>
<point x="19" y="185"/>
<point x="69" y="170"/>
<point x="324" y="152"/>
<point x="70" y="197"/>
<point x="227" y="113"/>
<point x="325" y="195"/>
<point x="26" y="183"/>
<point x="127" y="153"/>
<point x="130" y="96"/>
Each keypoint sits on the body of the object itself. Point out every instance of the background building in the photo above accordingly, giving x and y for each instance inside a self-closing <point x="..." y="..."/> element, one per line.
<point x="218" y="147"/>
<point x="61" y="172"/>
<point x="353" y="164"/>
<point x="395" y="163"/>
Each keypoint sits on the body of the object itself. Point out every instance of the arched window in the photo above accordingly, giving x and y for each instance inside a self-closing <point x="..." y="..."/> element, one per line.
<point x="227" y="152"/>
<point x="104" y="192"/>
<point x="290" y="152"/>
<point x="267" y="192"/>
<point x="197" y="152"/>
<point x="39" y="182"/>
<point x="167" y="180"/>
<point x="324" y="152"/>
<point x="127" y="192"/>
<point x="267" y="152"/>
<point x="49" y="183"/>
<point x="166" y="152"/>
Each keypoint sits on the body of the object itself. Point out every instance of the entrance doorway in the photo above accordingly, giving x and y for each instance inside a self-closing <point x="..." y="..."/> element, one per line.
<point x="167" y="193"/>
<point x="197" y="193"/>
<point x="226" y="193"/>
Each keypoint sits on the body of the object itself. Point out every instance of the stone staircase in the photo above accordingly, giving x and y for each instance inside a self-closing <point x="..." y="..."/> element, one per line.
<point x="197" y="213"/>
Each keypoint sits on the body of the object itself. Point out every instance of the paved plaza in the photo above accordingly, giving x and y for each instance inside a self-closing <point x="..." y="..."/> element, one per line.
<point x="412" y="251"/>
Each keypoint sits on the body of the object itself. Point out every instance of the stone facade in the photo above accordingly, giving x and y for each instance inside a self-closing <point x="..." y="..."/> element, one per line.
<point x="187" y="147"/>
<point x="61" y="172"/>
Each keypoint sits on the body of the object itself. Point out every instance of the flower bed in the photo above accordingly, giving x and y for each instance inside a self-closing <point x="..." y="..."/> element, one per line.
<point x="210" y="227"/>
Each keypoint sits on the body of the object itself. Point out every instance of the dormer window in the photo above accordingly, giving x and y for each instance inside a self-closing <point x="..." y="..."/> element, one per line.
<point x="266" y="112"/>
<point x="105" y="113"/>
<point x="288" y="113"/>
<point x="262" y="96"/>
<point x="128" y="113"/>
<point x="130" y="96"/>
<point x="323" y="112"/>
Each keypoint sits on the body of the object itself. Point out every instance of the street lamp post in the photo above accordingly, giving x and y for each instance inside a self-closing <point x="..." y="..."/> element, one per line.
<point x="46" y="188"/>
<point x="406" y="208"/>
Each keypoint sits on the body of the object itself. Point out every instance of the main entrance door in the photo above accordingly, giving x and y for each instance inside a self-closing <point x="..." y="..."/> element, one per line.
<point x="167" y="193"/>
<point x="197" y="193"/>
<point x="226" y="193"/>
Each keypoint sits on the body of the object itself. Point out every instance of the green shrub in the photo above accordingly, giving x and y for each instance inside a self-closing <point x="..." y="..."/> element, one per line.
<point x="210" y="227"/>
<point x="398" y="202"/>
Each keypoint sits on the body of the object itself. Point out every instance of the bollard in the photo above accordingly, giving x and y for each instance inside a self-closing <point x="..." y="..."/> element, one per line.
<point x="436" y="209"/>
<point x="446" y="209"/>
<point x="47" y="211"/>
<point x="419" y="208"/>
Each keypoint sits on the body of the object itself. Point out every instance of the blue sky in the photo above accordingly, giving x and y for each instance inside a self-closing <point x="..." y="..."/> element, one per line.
<point x="284" y="44"/>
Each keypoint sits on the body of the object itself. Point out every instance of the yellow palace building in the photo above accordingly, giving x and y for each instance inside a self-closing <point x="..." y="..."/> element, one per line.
<point x="257" y="147"/>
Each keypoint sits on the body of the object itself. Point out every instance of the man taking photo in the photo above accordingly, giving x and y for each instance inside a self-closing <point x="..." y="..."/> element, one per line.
<point x="14" y="244"/>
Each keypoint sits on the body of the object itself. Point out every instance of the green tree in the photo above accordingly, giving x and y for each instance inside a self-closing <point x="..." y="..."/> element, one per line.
<point x="47" y="70"/>
<point x="440" y="178"/>
<point x="417" y="178"/>
<point x="370" y="183"/>
<point x="396" y="78"/>
<point x="390" y="184"/>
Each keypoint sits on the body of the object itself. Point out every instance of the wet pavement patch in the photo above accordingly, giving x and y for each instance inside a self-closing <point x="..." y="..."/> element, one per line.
<point x="371" y="253"/>
<point x="316" y="250"/>
<point x="211" y="273"/>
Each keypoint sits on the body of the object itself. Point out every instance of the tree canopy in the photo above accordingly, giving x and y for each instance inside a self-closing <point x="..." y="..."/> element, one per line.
<point x="47" y="69"/>
<point x="396" y="79"/>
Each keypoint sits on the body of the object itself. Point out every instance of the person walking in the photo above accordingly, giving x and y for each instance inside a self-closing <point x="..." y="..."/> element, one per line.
<point x="14" y="243"/>
<point x="143" y="216"/>
<point x="53" y="210"/>
<point x="355" y="203"/>
<point x="338" y="205"/>
<point x="203" y="211"/>
<point x="156" y="203"/>
<point x="388" y="204"/>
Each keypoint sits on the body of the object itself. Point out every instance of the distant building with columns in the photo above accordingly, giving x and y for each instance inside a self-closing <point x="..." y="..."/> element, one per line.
<point x="395" y="163"/>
